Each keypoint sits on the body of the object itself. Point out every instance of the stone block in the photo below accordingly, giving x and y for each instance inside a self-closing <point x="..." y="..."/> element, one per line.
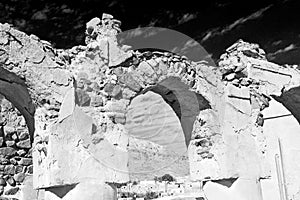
<point x="19" y="177"/>
<point x="11" y="181"/>
<point x="10" y="143"/>
<point x="116" y="54"/>
<point x="12" y="191"/>
<point x="25" y="161"/>
<point x="239" y="98"/>
<point x="61" y="77"/>
<point x="83" y="98"/>
<point x="116" y="91"/>
<point x="7" y="151"/>
<point x="29" y="169"/>
<point x="130" y="82"/>
<point x="2" y="182"/>
<point x="238" y="107"/>
<point x="146" y="69"/>
<point x="4" y="161"/>
<point x="19" y="168"/>
<point x="1" y="190"/>
<point x="269" y="72"/>
<point x="116" y="106"/>
<point x="23" y="135"/>
<point x="9" y="169"/>
<point x="96" y="101"/>
<point x="73" y="157"/>
<point x="24" y="144"/>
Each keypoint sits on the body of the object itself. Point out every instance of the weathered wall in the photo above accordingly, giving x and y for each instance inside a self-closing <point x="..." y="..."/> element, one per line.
<point x="43" y="72"/>
<point x="281" y="124"/>
<point x="15" y="150"/>
<point x="251" y="125"/>
<point x="79" y="97"/>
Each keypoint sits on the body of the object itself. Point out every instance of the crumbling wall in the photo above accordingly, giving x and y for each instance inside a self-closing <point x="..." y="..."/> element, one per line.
<point x="15" y="150"/>
<point x="88" y="141"/>
<point x="76" y="101"/>
<point x="252" y="142"/>
<point x="36" y="80"/>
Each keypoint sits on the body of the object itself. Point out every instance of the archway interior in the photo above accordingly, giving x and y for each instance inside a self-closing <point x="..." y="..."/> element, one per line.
<point x="150" y="118"/>
<point x="291" y="100"/>
<point x="185" y="103"/>
<point x="14" y="89"/>
<point x="156" y="139"/>
<point x="160" y="122"/>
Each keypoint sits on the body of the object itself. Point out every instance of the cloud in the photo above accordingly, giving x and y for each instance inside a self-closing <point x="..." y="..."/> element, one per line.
<point x="287" y="48"/>
<point x="278" y="42"/>
<point x="221" y="5"/>
<point x="220" y="31"/>
<point x="187" y="17"/>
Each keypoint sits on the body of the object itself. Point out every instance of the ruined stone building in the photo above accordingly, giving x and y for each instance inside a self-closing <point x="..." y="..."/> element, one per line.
<point x="63" y="118"/>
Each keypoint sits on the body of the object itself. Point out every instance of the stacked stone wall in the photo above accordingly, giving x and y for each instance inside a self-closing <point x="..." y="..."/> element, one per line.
<point x="15" y="150"/>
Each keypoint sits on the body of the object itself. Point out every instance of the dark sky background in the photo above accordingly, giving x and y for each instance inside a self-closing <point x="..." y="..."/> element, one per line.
<point x="215" y="24"/>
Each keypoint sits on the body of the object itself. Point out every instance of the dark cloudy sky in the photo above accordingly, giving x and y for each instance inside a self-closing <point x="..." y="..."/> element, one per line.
<point x="216" y="24"/>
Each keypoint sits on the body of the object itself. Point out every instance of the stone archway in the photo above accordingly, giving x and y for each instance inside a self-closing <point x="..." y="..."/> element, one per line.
<point x="28" y="81"/>
<point x="81" y="96"/>
<point x="268" y="93"/>
<point x="186" y="105"/>
<point x="15" y="90"/>
<point x="17" y="132"/>
<point x="156" y="139"/>
<point x="88" y="139"/>
<point x="180" y="86"/>
<point x="80" y="104"/>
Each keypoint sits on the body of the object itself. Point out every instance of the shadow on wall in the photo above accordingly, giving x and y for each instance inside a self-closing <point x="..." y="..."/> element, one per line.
<point x="291" y="100"/>
<point x="62" y="190"/>
<point x="14" y="89"/>
<point x="185" y="103"/>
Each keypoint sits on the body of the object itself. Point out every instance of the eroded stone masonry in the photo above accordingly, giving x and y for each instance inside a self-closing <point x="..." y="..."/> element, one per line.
<point x="74" y="103"/>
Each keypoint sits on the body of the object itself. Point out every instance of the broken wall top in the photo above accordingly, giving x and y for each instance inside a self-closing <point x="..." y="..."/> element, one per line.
<point x="98" y="81"/>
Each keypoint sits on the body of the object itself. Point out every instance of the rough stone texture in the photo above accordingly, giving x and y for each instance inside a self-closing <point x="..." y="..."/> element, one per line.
<point x="14" y="131"/>
<point x="12" y="191"/>
<point x="7" y="151"/>
<point x="73" y="155"/>
<point x="74" y="103"/>
<point x="266" y="81"/>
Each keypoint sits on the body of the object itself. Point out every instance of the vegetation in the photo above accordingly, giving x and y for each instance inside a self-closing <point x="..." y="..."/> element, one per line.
<point x="151" y="195"/>
<point x="167" y="177"/>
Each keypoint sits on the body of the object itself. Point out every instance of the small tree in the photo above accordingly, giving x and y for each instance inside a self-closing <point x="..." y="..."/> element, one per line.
<point x="168" y="178"/>
<point x="134" y="182"/>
